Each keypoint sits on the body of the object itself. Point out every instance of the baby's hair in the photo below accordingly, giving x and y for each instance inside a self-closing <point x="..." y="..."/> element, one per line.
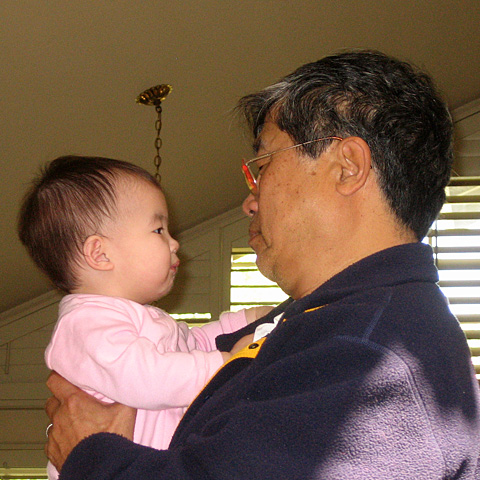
<point x="69" y="201"/>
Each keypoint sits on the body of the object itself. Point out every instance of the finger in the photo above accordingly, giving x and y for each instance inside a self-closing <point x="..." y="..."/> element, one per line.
<point x="60" y="387"/>
<point x="51" y="406"/>
<point x="52" y="453"/>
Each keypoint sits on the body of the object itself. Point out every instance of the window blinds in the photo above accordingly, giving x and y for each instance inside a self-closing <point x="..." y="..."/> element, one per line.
<point x="455" y="239"/>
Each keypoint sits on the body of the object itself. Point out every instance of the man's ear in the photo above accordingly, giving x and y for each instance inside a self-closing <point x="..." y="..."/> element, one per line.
<point x="95" y="254"/>
<point x="355" y="160"/>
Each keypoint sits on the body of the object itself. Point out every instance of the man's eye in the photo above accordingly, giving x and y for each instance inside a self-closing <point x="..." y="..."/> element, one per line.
<point x="263" y="163"/>
<point x="159" y="230"/>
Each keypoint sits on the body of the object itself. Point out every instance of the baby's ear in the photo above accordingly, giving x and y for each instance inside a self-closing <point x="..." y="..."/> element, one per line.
<point x="94" y="253"/>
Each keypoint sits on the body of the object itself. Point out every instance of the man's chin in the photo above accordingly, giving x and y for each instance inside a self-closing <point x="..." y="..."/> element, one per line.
<point x="264" y="265"/>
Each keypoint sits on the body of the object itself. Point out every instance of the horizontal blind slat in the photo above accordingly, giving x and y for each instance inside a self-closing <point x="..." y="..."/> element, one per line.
<point x="464" y="181"/>
<point x="454" y="232"/>
<point x="467" y="198"/>
<point x="459" y="283"/>
<point x="458" y="264"/>
<point x="460" y="215"/>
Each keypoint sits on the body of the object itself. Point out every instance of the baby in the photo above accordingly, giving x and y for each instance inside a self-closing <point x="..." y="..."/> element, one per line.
<point x="99" y="229"/>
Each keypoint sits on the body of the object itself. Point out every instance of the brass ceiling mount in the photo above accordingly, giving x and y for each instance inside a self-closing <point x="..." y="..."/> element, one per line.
<point x="154" y="95"/>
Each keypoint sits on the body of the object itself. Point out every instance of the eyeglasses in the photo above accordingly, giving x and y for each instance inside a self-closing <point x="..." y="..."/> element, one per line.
<point x="251" y="169"/>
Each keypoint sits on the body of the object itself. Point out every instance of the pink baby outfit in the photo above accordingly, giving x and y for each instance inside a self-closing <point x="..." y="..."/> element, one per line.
<point x="138" y="355"/>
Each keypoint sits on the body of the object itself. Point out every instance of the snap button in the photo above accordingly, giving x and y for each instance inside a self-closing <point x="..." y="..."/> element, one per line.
<point x="252" y="346"/>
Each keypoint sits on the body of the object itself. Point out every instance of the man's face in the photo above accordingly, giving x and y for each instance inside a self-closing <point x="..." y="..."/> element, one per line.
<point x="290" y="191"/>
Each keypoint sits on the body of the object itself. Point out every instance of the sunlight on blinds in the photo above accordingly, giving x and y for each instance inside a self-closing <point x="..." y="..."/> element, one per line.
<point x="192" y="319"/>
<point x="455" y="238"/>
<point x="249" y="288"/>
<point x="23" y="473"/>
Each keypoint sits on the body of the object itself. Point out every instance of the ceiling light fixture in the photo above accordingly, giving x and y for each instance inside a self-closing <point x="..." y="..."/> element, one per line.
<point x="155" y="96"/>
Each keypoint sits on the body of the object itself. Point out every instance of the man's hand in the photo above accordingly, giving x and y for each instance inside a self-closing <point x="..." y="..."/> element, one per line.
<point x="76" y="415"/>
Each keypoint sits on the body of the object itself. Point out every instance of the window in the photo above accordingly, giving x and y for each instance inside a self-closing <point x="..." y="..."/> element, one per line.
<point x="455" y="238"/>
<point x="249" y="287"/>
<point x="192" y="319"/>
<point x="23" y="473"/>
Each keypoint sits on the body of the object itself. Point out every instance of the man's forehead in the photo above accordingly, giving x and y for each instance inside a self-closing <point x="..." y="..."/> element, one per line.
<point x="266" y="136"/>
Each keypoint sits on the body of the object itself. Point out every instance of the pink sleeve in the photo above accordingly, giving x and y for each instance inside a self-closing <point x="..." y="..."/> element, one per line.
<point x="100" y="349"/>
<point x="229" y="322"/>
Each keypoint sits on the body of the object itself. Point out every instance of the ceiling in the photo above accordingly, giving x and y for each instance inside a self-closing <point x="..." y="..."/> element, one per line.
<point x="71" y="70"/>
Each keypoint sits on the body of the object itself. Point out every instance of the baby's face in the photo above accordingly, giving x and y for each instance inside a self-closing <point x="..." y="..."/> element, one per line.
<point x="140" y="246"/>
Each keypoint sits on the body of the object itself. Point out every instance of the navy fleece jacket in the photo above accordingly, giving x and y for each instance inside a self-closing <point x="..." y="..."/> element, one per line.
<point x="369" y="377"/>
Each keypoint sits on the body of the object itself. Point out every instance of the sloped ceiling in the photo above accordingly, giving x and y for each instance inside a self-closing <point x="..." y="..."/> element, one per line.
<point x="71" y="69"/>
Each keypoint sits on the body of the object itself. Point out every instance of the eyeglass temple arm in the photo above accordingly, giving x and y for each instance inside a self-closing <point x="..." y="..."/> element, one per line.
<point x="248" y="175"/>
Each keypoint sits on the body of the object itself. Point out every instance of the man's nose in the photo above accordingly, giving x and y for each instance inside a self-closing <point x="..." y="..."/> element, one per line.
<point x="250" y="205"/>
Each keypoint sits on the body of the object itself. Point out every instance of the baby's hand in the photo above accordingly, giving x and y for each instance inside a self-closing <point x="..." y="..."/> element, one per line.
<point x="255" y="313"/>
<point x="240" y="345"/>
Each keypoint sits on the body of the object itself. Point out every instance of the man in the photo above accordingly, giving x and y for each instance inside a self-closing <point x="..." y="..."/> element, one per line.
<point x="366" y="375"/>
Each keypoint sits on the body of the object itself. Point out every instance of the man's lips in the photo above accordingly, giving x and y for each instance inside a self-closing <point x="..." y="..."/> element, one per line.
<point x="175" y="266"/>
<point x="252" y="234"/>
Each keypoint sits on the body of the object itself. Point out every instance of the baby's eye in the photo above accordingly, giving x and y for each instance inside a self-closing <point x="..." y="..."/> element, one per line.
<point x="159" y="230"/>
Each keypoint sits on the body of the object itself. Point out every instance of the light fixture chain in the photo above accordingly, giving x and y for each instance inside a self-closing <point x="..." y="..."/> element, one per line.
<point x="158" y="143"/>
<point x="155" y="96"/>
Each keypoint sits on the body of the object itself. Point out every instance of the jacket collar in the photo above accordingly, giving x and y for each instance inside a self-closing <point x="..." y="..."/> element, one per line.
<point x="412" y="262"/>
